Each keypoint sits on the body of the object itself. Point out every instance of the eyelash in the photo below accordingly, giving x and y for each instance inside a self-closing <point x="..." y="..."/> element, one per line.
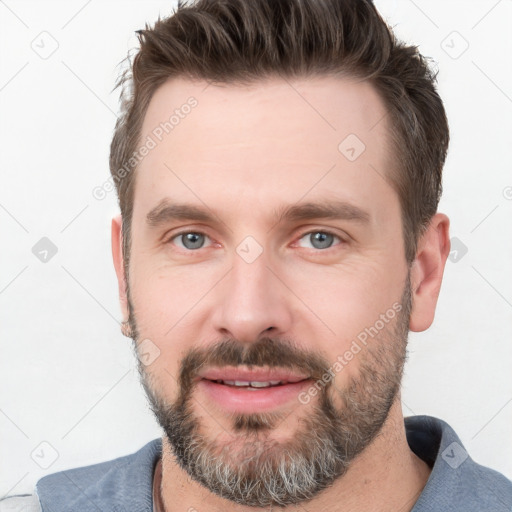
<point x="327" y="232"/>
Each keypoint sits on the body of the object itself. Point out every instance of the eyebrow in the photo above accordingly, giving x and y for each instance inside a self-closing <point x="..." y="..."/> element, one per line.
<point x="335" y="210"/>
<point x="167" y="211"/>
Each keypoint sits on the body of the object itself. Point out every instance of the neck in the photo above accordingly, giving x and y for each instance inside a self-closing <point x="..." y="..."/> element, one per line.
<point x="386" y="476"/>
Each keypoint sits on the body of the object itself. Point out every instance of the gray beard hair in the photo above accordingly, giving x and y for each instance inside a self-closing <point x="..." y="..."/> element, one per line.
<point x="257" y="471"/>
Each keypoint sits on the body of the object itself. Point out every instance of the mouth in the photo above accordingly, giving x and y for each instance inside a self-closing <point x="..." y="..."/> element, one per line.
<point x="243" y="390"/>
<point x="252" y="384"/>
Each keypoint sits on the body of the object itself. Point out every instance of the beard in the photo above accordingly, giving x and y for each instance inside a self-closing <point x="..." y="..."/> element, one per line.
<point x="250" y="467"/>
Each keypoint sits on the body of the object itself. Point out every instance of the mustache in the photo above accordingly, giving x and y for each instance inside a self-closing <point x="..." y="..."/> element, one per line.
<point x="266" y="352"/>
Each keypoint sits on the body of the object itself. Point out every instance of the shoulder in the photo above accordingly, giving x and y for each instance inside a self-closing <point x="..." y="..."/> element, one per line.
<point x="456" y="481"/>
<point x="21" y="503"/>
<point x="120" y="484"/>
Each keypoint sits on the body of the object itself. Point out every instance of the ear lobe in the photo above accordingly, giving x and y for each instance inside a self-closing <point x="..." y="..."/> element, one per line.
<point x="117" y="255"/>
<point x="427" y="272"/>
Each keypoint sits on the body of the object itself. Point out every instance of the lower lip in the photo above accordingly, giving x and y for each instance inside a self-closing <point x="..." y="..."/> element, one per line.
<point x="242" y="399"/>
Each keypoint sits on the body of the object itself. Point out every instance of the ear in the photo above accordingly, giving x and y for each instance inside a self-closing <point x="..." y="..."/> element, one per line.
<point x="427" y="272"/>
<point x="117" y="255"/>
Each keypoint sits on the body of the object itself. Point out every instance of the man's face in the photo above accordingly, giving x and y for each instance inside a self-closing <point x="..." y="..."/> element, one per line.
<point x="267" y="239"/>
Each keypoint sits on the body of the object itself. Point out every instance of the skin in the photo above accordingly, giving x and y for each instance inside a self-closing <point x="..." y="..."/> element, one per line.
<point x="245" y="152"/>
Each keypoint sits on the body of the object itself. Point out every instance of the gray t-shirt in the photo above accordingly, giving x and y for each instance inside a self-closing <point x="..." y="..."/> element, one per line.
<point x="456" y="482"/>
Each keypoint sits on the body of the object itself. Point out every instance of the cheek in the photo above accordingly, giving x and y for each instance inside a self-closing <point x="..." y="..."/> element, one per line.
<point x="166" y="298"/>
<point x="169" y="310"/>
<point x="347" y="297"/>
<point x="348" y="301"/>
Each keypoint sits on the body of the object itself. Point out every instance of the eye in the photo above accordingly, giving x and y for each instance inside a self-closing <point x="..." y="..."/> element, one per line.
<point x="318" y="240"/>
<point x="190" y="240"/>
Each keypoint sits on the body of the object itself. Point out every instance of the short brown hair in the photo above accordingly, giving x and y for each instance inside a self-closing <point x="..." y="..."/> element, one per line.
<point x="242" y="41"/>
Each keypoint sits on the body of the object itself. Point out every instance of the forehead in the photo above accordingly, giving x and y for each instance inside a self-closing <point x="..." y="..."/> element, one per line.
<point x="270" y="142"/>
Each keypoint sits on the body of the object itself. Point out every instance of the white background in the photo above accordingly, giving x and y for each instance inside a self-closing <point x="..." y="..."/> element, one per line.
<point x="68" y="377"/>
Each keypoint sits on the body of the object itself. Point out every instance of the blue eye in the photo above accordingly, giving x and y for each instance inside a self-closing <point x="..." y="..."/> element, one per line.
<point x="319" y="239"/>
<point x="190" y="240"/>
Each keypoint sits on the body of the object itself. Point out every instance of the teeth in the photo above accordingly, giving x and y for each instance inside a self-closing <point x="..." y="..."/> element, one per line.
<point x="247" y="384"/>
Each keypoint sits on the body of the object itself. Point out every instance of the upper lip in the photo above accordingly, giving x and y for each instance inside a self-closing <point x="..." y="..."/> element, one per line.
<point x="232" y="373"/>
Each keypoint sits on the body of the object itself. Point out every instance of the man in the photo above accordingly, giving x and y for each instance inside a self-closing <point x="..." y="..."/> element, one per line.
<point x="278" y="167"/>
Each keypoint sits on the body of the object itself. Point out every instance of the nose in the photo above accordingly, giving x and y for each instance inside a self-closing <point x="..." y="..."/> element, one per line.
<point x="252" y="302"/>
